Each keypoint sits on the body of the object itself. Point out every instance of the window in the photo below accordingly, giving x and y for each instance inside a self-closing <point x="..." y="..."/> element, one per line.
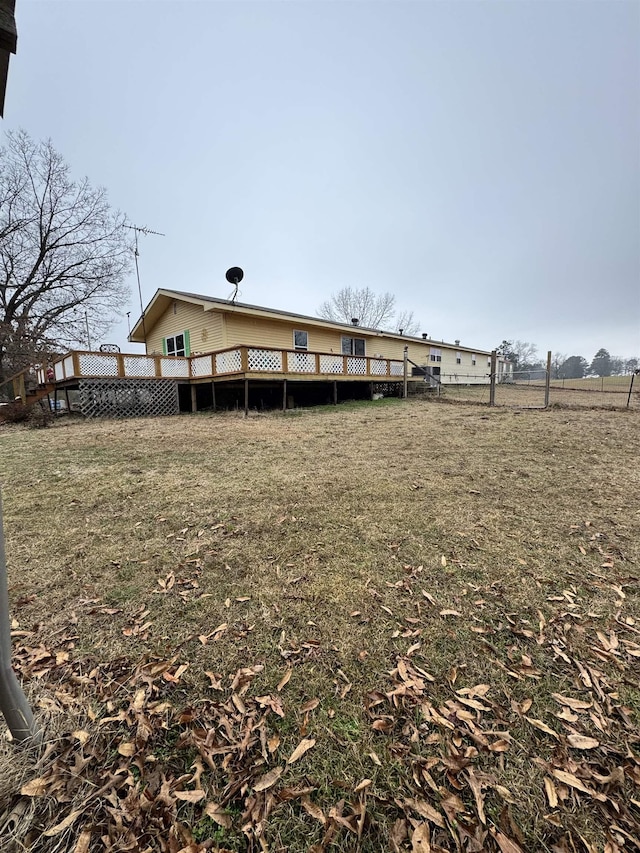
<point x="458" y="358"/>
<point x="435" y="354"/>
<point x="352" y="346"/>
<point x="473" y="358"/>
<point x="176" y="344"/>
<point x="300" y="340"/>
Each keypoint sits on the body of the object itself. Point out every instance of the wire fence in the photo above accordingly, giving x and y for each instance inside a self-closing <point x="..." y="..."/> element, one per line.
<point x="530" y="390"/>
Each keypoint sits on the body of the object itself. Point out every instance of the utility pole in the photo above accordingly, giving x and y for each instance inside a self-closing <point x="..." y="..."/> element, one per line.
<point x="140" y="229"/>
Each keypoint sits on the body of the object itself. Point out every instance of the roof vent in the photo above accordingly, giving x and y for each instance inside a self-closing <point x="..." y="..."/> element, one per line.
<point x="457" y="342"/>
<point x="424" y="336"/>
<point x="401" y="331"/>
<point x="354" y="321"/>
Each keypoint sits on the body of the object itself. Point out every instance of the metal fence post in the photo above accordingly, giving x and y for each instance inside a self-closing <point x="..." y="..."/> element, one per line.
<point x="492" y="387"/>
<point x="633" y="376"/>
<point x="547" y="384"/>
<point x="13" y="702"/>
<point x="405" y="373"/>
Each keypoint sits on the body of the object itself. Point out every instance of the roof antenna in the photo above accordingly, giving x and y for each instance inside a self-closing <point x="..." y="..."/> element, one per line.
<point x="142" y="230"/>
<point x="234" y="276"/>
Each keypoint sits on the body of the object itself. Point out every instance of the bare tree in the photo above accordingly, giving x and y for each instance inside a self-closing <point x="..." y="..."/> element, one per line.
<point x="407" y="322"/>
<point x="63" y="255"/>
<point x="522" y="354"/>
<point x="557" y="360"/>
<point x="376" y="311"/>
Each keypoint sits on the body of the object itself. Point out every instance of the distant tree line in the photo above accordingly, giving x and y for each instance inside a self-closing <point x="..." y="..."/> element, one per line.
<point x="525" y="359"/>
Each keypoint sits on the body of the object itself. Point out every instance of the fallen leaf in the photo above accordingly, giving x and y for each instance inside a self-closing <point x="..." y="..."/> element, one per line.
<point x="311" y="705"/>
<point x="127" y="748"/>
<point x="269" y="779"/>
<point x="505" y="844"/>
<point x="398" y="834"/>
<point x="83" y="842"/>
<point x="304" y="746"/>
<point x="551" y="792"/>
<point x="218" y="814"/>
<point x="362" y="785"/>
<point x="573" y="782"/>
<point x="575" y="704"/>
<point x="81" y="735"/>
<point x="190" y="796"/>
<point x="476" y="788"/>
<point x="583" y="742"/>
<point x="35" y="788"/>
<point x="284" y="680"/>
<point x="421" y="839"/>
<point x="312" y="809"/>
<point x="64" y="824"/>
<point x="426" y="811"/>
<point x="542" y="726"/>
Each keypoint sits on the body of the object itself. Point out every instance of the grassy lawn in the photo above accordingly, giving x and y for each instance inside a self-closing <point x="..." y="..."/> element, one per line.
<point x="382" y="627"/>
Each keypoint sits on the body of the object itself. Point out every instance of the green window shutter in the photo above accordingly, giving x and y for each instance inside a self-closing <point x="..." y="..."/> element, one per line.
<point x="187" y="343"/>
<point x="164" y="346"/>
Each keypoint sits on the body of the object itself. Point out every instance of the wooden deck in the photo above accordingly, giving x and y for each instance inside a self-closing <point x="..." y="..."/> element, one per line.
<point x="233" y="363"/>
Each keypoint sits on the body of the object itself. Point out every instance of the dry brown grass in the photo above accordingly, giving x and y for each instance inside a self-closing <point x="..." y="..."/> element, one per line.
<point x="329" y="542"/>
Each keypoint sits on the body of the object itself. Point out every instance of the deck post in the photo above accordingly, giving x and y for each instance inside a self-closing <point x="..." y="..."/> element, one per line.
<point x="213" y="394"/>
<point x="66" y="394"/>
<point x="194" y="401"/>
<point x="335" y="392"/>
<point x="371" y="390"/>
<point x="284" y="395"/>
<point x="246" y="398"/>
<point x="55" y="401"/>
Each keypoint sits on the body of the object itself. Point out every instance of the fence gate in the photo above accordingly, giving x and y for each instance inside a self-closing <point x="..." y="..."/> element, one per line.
<point x="523" y="389"/>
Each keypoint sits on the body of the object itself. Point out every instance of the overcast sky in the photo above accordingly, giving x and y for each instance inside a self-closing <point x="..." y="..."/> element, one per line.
<point x="480" y="160"/>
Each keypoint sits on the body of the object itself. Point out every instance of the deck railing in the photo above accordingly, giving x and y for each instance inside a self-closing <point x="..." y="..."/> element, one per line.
<point x="233" y="360"/>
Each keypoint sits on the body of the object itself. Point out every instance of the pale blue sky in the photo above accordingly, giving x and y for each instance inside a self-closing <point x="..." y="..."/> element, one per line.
<point x="481" y="160"/>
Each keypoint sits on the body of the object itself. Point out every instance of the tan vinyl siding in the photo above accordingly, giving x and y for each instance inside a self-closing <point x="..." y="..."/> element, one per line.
<point x="254" y="331"/>
<point x="206" y="329"/>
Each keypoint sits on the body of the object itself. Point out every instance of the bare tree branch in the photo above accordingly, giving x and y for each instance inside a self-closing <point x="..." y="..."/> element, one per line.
<point x="374" y="311"/>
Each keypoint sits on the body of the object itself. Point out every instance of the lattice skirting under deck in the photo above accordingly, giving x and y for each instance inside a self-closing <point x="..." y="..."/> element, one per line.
<point x="128" y="398"/>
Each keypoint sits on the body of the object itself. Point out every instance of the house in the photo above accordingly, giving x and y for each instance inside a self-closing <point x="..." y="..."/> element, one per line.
<point x="183" y="324"/>
<point x="203" y="352"/>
